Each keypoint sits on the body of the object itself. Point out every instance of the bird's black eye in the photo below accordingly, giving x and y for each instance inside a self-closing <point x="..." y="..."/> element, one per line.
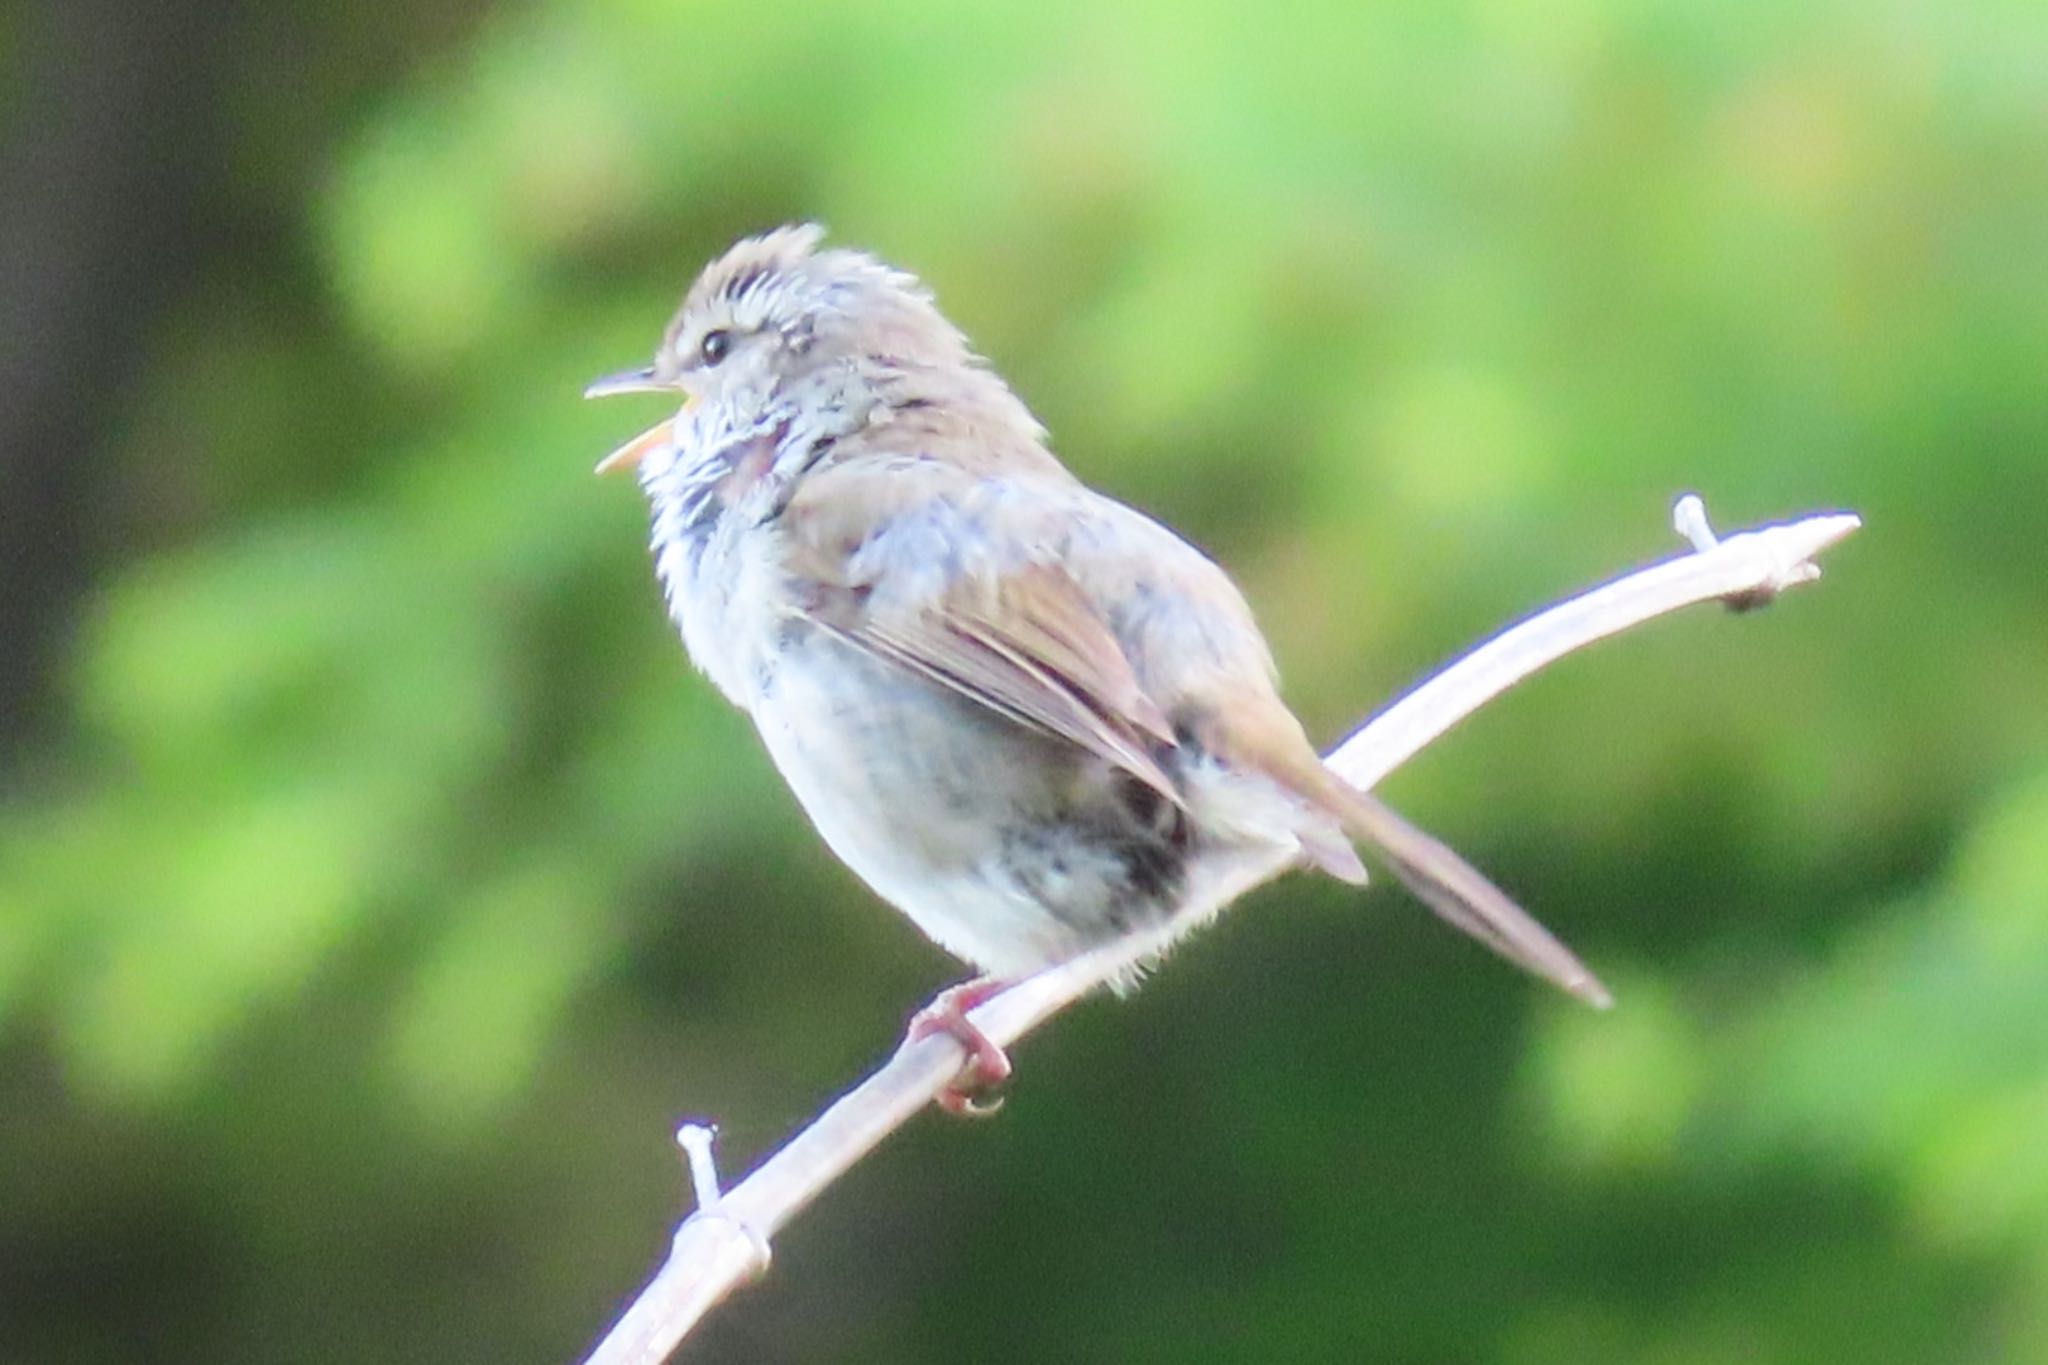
<point x="715" y="346"/>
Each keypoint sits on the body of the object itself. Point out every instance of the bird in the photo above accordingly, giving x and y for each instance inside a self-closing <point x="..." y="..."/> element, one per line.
<point x="1020" y="710"/>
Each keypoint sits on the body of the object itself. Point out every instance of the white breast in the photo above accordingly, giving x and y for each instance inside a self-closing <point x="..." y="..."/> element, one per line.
<point x="727" y="593"/>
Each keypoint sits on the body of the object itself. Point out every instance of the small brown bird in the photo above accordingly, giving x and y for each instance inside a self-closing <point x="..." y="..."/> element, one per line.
<point x="1018" y="709"/>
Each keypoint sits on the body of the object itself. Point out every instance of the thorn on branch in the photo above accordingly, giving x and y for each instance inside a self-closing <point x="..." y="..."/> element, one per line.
<point x="696" y="1140"/>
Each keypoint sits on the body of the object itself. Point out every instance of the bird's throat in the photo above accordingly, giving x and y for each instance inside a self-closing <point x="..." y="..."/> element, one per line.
<point x="748" y="463"/>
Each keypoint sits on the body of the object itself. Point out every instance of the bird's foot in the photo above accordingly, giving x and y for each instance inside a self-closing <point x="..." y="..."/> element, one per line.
<point x="970" y="1094"/>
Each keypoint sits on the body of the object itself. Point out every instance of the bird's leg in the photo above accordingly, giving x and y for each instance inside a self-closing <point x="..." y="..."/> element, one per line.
<point x="987" y="1066"/>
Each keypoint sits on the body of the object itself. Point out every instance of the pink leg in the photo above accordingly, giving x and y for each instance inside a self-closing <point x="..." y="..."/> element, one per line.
<point x="987" y="1065"/>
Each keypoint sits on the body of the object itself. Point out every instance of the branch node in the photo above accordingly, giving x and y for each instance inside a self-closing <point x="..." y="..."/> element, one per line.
<point x="697" y="1141"/>
<point x="1783" y="570"/>
<point x="711" y="1223"/>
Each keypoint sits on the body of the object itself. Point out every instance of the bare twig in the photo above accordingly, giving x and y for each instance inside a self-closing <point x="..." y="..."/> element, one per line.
<point x="725" y="1243"/>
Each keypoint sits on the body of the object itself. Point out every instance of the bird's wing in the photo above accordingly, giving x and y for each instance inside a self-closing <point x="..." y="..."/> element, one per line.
<point x="1019" y="637"/>
<point x="1028" y="646"/>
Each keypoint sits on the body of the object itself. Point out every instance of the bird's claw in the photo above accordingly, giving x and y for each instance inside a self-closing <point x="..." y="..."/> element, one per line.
<point x="987" y="1067"/>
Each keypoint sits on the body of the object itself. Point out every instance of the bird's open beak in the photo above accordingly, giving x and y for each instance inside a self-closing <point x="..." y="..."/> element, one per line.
<point x="643" y="380"/>
<point x="629" y="455"/>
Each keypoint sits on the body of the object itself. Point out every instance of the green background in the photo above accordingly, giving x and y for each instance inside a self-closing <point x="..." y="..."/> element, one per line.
<point x="378" y="885"/>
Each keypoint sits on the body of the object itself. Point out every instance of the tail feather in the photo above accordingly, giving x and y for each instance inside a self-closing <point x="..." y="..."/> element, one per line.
<point x="1330" y="850"/>
<point x="1462" y="897"/>
<point x="1267" y="738"/>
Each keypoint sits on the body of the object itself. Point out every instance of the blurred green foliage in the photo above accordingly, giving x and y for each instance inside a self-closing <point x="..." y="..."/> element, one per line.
<point x="394" y="886"/>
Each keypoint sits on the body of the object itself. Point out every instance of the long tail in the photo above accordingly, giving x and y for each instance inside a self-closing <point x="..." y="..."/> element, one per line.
<point x="1462" y="896"/>
<point x="1265" y="737"/>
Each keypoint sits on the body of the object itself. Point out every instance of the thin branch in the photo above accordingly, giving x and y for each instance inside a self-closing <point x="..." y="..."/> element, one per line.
<point x="725" y="1243"/>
